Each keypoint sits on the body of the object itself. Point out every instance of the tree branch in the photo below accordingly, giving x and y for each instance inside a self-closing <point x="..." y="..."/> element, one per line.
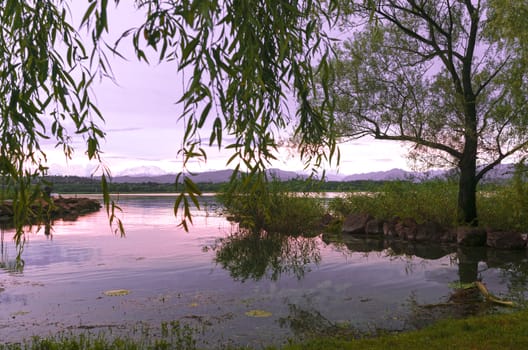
<point x="491" y="77"/>
<point x="497" y="161"/>
<point x="406" y="138"/>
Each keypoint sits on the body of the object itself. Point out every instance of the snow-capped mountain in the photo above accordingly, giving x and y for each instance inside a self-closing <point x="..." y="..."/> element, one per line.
<point x="142" y="171"/>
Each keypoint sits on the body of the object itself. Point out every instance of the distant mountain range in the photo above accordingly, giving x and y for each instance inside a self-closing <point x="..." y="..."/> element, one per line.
<point x="205" y="177"/>
<point x="156" y="175"/>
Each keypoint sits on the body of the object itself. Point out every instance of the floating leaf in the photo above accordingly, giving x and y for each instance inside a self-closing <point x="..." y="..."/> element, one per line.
<point x="193" y="304"/>
<point x="116" y="292"/>
<point x="19" y="313"/>
<point x="258" y="313"/>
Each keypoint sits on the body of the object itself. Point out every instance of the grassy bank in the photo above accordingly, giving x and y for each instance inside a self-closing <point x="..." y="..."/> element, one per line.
<point x="485" y="332"/>
<point x="506" y="331"/>
<point x="501" y="206"/>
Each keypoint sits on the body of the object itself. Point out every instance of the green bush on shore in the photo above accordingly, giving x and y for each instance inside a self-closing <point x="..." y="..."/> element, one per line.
<point x="433" y="200"/>
<point x="500" y="206"/>
<point x="276" y="211"/>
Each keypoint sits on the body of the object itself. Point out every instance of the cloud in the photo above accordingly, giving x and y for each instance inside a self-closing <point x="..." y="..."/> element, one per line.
<point x="123" y="129"/>
<point x="384" y="160"/>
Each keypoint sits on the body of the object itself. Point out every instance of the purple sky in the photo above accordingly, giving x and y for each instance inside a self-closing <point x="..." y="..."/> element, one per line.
<point x="143" y="130"/>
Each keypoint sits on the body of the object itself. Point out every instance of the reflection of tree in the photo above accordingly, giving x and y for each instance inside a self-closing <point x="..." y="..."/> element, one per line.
<point x="310" y="323"/>
<point x="249" y="255"/>
<point x="511" y="264"/>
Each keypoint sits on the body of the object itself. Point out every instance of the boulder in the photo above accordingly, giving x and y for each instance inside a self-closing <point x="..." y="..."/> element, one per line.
<point x="471" y="236"/>
<point x="389" y="229"/>
<point x="355" y="223"/>
<point x="374" y="227"/>
<point x="406" y="229"/>
<point x="505" y="240"/>
<point x="433" y="232"/>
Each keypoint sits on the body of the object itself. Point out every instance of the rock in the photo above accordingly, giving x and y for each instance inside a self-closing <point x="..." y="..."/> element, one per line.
<point x="430" y="232"/>
<point x="406" y="229"/>
<point x="355" y="223"/>
<point x="389" y="229"/>
<point x="471" y="236"/>
<point x="505" y="240"/>
<point x="61" y="208"/>
<point x="71" y="208"/>
<point x="449" y="236"/>
<point x="374" y="227"/>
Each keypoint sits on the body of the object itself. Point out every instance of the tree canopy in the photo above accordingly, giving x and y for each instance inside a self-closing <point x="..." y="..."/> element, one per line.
<point x="246" y="58"/>
<point x="447" y="77"/>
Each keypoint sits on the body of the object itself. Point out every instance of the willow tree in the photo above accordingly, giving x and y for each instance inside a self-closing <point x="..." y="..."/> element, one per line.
<point x="245" y="58"/>
<point x="45" y="81"/>
<point x="448" y="77"/>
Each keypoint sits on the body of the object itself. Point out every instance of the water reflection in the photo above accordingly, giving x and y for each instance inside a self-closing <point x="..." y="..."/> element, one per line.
<point x="324" y="285"/>
<point x="307" y="322"/>
<point x="5" y="262"/>
<point x="249" y="255"/>
<point x="473" y="263"/>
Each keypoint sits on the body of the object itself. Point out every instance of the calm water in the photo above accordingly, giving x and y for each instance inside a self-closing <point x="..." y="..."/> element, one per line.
<point x="211" y="277"/>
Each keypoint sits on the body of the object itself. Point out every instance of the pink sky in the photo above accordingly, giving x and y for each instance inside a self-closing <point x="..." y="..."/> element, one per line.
<point x="143" y="130"/>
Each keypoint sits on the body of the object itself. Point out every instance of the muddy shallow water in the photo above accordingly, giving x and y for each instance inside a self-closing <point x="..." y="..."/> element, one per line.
<point x="217" y="280"/>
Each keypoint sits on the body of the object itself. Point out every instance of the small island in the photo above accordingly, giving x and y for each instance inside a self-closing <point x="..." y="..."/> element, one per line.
<point x="65" y="208"/>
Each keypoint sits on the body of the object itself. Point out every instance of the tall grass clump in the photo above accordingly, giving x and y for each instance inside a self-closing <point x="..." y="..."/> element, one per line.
<point x="501" y="206"/>
<point x="273" y="209"/>
<point x="173" y="336"/>
<point x="505" y="206"/>
<point x="433" y="200"/>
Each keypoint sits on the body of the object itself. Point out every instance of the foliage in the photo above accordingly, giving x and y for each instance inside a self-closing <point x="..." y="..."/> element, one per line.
<point x="497" y="332"/>
<point x="432" y="200"/>
<point x="272" y="208"/>
<point x="502" y="206"/>
<point x="245" y="58"/>
<point x="174" y="335"/>
<point x="506" y="206"/>
<point x="47" y="76"/>
<point x="254" y="255"/>
<point x="446" y="77"/>
<point x="488" y="332"/>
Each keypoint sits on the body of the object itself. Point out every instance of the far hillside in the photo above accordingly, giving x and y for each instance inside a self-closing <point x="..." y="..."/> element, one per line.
<point x="77" y="184"/>
<point x="215" y="181"/>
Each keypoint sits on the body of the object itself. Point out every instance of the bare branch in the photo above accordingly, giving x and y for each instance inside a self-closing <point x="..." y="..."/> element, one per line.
<point x="434" y="145"/>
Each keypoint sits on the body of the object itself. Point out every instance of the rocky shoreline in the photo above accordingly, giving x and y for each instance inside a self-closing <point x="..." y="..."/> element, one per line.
<point x="409" y="229"/>
<point x="65" y="208"/>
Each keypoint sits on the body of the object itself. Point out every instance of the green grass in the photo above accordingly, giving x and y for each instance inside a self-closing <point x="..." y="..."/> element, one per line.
<point x="486" y="332"/>
<point x="500" y="206"/>
<point x="495" y="332"/>
<point x="273" y="208"/>
<point x="427" y="201"/>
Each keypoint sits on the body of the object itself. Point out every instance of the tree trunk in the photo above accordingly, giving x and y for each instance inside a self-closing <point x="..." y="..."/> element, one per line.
<point x="467" y="197"/>
<point x="467" y="187"/>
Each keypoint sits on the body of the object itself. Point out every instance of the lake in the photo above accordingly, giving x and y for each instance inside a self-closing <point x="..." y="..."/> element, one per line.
<point x="232" y="288"/>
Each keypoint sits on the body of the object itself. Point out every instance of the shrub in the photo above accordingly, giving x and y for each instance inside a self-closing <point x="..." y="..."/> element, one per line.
<point x="433" y="200"/>
<point x="275" y="209"/>
<point x="506" y="206"/>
